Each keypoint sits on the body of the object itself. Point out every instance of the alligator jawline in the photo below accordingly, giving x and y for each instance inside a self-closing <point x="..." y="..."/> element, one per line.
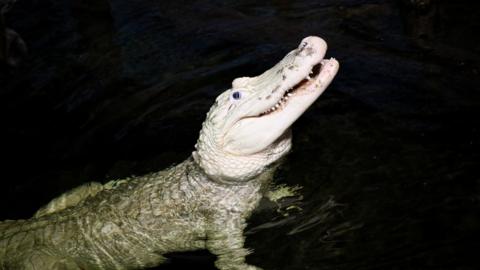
<point x="295" y="90"/>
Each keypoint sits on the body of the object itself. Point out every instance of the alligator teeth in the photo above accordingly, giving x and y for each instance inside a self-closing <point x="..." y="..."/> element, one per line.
<point x="289" y="94"/>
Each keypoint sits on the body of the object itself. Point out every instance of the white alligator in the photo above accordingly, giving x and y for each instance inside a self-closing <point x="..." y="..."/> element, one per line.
<point x="201" y="203"/>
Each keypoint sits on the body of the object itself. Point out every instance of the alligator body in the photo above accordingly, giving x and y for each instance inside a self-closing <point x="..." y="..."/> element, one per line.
<point x="201" y="203"/>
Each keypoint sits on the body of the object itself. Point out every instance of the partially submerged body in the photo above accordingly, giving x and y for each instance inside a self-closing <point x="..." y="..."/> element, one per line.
<point x="130" y="225"/>
<point x="202" y="203"/>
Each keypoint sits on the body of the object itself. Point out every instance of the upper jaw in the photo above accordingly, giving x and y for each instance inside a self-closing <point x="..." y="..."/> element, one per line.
<point x="271" y="86"/>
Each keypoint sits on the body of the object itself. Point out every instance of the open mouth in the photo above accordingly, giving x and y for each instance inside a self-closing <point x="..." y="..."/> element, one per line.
<point x="298" y="89"/>
<point x="280" y="96"/>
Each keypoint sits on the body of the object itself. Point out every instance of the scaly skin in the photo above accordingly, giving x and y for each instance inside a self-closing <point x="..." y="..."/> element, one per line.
<point x="178" y="209"/>
<point x="201" y="203"/>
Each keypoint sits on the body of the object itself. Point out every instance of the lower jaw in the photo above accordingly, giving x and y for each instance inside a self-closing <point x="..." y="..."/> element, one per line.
<point x="287" y="134"/>
<point x="285" y="138"/>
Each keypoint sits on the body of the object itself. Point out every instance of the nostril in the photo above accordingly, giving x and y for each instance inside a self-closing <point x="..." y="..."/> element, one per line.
<point x="302" y="45"/>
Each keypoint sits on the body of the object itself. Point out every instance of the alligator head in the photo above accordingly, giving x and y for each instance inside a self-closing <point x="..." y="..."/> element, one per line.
<point x="248" y="127"/>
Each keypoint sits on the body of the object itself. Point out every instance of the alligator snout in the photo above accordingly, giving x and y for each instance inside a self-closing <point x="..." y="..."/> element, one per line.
<point x="311" y="45"/>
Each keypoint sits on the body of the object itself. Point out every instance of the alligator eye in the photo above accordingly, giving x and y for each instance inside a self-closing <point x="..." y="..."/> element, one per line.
<point x="236" y="95"/>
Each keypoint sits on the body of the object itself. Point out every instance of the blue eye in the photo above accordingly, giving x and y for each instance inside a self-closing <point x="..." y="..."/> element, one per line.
<point x="236" y="95"/>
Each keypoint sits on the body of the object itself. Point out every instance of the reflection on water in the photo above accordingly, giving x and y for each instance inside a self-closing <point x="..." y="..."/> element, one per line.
<point x="387" y="156"/>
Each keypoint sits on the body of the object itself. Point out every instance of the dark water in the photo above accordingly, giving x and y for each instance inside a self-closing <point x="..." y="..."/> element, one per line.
<point x="388" y="156"/>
